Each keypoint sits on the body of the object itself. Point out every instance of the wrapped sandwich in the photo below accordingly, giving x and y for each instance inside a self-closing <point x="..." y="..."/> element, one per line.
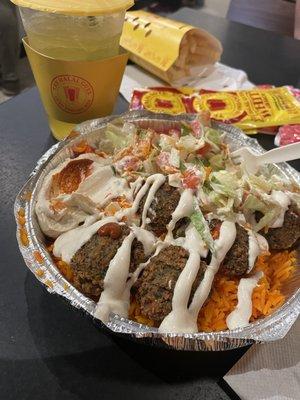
<point x="171" y="50"/>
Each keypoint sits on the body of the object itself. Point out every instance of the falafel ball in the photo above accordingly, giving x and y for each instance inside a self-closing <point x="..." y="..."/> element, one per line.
<point x="161" y="209"/>
<point x="288" y="234"/>
<point x="154" y="289"/>
<point x="236" y="261"/>
<point x="91" y="261"/>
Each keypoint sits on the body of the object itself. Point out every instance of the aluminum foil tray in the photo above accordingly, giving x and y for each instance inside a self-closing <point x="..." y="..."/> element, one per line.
<point x="33" y="247"/>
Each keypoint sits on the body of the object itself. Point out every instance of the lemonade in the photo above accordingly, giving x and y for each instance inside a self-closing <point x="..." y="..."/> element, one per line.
<point x="73" y="49"/>
<point x="73" y="38"/>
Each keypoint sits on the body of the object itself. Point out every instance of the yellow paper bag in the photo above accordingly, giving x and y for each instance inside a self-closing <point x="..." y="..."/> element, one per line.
<point x="171" y="50"/>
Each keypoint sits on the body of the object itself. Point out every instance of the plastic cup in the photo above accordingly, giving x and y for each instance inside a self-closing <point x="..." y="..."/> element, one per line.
<point x="73" y="49"/>
<point x="73" y="38"/>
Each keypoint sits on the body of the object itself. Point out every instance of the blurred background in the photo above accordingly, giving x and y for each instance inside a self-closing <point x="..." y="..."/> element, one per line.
<point x="280" y="16"/>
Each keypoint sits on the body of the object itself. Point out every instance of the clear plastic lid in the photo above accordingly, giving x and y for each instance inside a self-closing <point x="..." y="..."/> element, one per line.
<point x="76" y="7"/>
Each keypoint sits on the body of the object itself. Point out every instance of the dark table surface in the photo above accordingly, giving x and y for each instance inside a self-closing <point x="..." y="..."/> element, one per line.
<point x="49" y="350"/>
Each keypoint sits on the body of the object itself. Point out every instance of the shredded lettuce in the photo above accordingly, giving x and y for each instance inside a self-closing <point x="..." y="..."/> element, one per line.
<point x="279" y="182"/>
<point x="217" y="161"/>
<point x="259" y="183"/>
<point x="239" y="193"/>
<point x="190" y="143"/>
<point x="182" y="166"/>
<point x="174" y="158"/>
<point x="253" y="203"/>
<point x="227" y="210"/>
<point x="224" y="185"/>
<point x="268" y="209"/>
<point x="213" y="137"/>
<point x="217" y="199"/>
<point x="203" y="195"/>
<point x="196" y="162"/>
<point x="185" y="129"/>
<point x="149" y="164"/>
<point x="267" y="219"/>
<point x="119" y="137"/>
<point x="129" y="128"/>
<point x="143" y="133"/>
<point x="224" y="182"/>
<point x="200" y="223"/>
<point x="295" y="197"/>
<point x="166" y="142"/>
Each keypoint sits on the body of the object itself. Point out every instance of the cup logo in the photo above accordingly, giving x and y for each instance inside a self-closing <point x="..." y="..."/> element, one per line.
<point x="72" y="94"/>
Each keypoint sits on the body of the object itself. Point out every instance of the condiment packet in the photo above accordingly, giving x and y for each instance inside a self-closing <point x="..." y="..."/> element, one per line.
<point x="287" y="134"/>
<point x="248" y="109"/>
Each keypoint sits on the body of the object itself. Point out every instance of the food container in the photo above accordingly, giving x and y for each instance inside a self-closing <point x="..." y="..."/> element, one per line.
<point x="33" y="247"/>
<point x="171" y="50"/>
<point x="73" y="50"/>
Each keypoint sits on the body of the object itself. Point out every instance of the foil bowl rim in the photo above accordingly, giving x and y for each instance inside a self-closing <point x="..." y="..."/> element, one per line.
<point x="119" y="324"/>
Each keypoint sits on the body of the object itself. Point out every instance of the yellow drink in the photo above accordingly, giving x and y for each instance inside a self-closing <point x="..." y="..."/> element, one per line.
<point x="73" y="38"/>
<point x="73" y="49"/>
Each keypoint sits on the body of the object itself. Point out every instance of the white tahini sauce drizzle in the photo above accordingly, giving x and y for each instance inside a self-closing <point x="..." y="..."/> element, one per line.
<point x="135" y="186"/>
<point x="70" y="242"/>
<point x="222" y="246"/>
<point x="115" y="297"/>
<point x="134" y="276"/>
<point x="67" y="244"/>
<point x="157" y="181"/>
<point x="240" y="316"/>
<point x="184" y="208"/>
<point x="284" y="201"/>
<point x="147" y="239"/>
<point x="102" y="185"/>
<point x="193" y="239"/>
<point x="180" y="319"/>
<point x="257" y="245"/>
<point x="151" y="180"/>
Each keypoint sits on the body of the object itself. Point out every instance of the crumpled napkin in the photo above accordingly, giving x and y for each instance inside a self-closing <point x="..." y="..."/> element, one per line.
<point x="269" y="371"/>
<point x="217" y="77"/>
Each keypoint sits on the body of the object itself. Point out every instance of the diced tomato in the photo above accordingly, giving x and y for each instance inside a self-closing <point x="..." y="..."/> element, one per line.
<point x="163" y="162"/>
<point x="204" y="150"/>
<point x="128" y="163"/>
<point x="197" y="128"/>
<point x="163" y="159"/>
<point x="190" y="179"/>
<point x="127" y="151"/>
<point x="175" y="133"/>
<point x="142" y="148"/>
<point x="81" y="148"/>
<point x="265" y="86"/>
<point x="89" y="149"/>
<point x="101" y="153"/>
<point x="215" y="233"/>
<point x="208" y="171"/>
<point x="245" y="195"/>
